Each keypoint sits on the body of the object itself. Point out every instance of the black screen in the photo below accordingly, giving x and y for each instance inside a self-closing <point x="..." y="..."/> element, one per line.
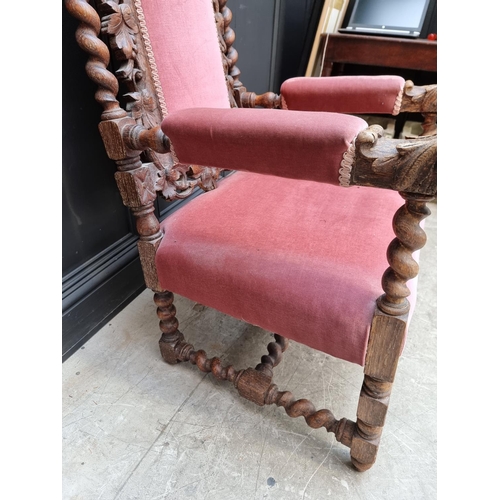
<point x="386" y="15"/>
<point x="394" y="13"/>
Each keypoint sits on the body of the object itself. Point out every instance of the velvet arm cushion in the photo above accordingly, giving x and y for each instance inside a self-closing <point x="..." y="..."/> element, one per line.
<point x="292" y="144"/>
<point x="344" y="94"/>
<point x="298" y="258"/>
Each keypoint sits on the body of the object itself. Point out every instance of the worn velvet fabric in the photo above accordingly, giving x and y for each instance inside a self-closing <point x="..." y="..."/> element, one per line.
<point x="293" y="144"/>
<point x="343" y="94"/>
<point x="298" y="258"/>
<point x="185" y="44"/>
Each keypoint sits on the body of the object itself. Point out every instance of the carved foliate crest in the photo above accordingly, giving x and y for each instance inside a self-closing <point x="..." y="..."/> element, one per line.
<point x="142" y="107"/>
<point x="124" y="24"/>
<point x="137" y="187"/>
<point x="119" y="24"/>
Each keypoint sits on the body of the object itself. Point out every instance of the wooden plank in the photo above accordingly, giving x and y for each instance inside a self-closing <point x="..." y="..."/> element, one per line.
<point x="380" y="51"/>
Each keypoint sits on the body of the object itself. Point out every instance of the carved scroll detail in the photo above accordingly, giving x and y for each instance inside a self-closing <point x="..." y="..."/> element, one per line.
<point x="400" y="164"/>
<point x="419" y="99"/>
<point x="120" y="25"/>
<point x="422" y="100"/>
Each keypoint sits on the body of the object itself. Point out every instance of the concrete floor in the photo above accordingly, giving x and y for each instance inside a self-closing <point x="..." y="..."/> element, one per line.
<point x="137" y="428"/>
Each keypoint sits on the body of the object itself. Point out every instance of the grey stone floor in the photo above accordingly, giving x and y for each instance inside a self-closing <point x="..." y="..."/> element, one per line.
<point x="137" y="428"/>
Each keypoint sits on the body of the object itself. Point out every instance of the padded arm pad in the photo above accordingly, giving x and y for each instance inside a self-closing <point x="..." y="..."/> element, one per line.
<point x="292" y="144"/>
<point x="344" y="94"/>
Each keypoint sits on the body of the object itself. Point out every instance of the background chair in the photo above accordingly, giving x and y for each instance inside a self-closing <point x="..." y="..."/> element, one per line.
<point x="295" y="242"/>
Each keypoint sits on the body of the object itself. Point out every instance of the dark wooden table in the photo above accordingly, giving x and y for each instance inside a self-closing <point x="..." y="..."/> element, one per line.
<point x="404" y="53"/>
<point x="379" y="52"/>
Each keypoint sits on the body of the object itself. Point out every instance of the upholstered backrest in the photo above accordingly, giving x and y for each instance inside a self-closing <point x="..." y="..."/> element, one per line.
<point x="185" y="46"/>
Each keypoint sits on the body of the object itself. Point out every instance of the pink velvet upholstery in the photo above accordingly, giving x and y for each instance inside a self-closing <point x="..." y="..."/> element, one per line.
<point x="291" y="144"/>
<point x="293" y="257"/>
<point x="343" y="94"/>
<point x="184" y="40"/>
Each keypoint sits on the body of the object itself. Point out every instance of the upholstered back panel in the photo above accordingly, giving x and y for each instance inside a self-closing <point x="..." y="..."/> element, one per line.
<point x="184" y="41"/>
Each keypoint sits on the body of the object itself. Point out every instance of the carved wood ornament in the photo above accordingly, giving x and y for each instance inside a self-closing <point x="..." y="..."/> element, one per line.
<point x="143" y="104"/>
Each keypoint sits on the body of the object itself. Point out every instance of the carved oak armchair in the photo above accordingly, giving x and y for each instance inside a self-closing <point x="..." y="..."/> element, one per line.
<point x="315" y="237"/>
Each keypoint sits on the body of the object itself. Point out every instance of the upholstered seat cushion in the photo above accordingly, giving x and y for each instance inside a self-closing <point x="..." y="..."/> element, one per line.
<point x="298" y="258"/>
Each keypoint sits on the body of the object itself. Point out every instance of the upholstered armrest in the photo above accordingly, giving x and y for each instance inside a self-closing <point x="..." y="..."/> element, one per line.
<point x="323" y="147"/>
<point x="344" y="94"/>
<point x="293" y="144"/>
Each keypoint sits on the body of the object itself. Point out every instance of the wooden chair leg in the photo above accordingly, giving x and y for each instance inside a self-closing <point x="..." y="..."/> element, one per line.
<point x="388" y="330"/>
<point x="255" y="384"/>
<point x="384" y="349"/>
<point x="168" y="326"/>
<point x="175" y="349"/>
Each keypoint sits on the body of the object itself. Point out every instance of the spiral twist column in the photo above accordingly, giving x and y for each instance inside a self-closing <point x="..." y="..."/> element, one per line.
<point x="342" y="429"/>
<point x="231" y="52"/>
<point x="87" y="37"/>
<point x="409" y="238"/>
<point x="168" y="325"/>
<point x="275" y="350"/>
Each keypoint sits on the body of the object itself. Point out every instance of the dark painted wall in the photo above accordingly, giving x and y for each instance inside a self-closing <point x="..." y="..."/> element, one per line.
<point x="273" y="39"/>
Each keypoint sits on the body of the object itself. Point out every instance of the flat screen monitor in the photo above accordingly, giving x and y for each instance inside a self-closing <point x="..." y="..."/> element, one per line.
<point x="386" y="17"/>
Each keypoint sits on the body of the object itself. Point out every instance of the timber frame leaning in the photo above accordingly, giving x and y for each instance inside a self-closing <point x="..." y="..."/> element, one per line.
<point x="133" y="109"/>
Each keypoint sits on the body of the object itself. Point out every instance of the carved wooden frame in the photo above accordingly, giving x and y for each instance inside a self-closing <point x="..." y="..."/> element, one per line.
<point x="146" y="166"/>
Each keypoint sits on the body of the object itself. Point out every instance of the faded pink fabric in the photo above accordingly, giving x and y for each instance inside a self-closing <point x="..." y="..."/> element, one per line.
<point x="186" y="49"/>
<point x="343" y="94"/>
<point x="293" y="144"/>
<point x="298" y="258"/>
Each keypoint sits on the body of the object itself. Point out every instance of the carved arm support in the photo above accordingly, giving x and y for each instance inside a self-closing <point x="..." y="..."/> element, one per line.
<point x="421" y="100"/>
<point x="407" y="165"/>
<point x="410" y="167"/>
<point x="252" y="100"/>
<point x="140" y="138"/>
<point x="123" y="138"/>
